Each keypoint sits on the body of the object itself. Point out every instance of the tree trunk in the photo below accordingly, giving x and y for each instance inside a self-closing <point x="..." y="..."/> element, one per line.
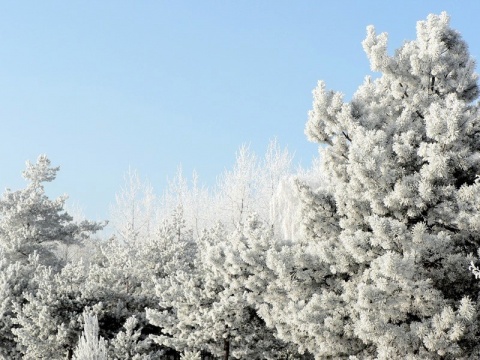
<point x="226" y="348"/>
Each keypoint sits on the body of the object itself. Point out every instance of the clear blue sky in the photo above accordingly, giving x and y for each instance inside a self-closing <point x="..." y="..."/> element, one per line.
<point x="101" y="86"/>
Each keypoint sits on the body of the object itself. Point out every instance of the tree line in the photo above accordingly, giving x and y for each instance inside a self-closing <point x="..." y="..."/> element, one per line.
<point x="370" y="254"/>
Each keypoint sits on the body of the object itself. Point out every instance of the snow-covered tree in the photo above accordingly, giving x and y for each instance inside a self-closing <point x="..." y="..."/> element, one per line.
<point x="382" y="272"/>
<point x="252" y="186"/>
<point x="194" y="199"/>
<point x="15" y="279"/>
<point x="203" y="307"/>
<point x="91" y="346"/>
<point x="129" y="345"/>
<point x="133" y="214"/>
<point x="31" y="228"/>
<point x="120" y="283"/>
<point x="176" y="287"/>
<point x="286" y="205"/>
<point x="122" y="280"/>
<point x="275" y="168"/>
<point x="237" y="188"/>
<point x="31" y="222"/>
<point x="239" y="260"/>
<point x="47" y="321"/>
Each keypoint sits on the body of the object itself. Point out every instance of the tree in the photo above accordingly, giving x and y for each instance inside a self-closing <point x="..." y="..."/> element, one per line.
<point x="239" y="260"/>
<point x="252" y="186"/>
<point x="134" y="210"/>
<point x="285" y="204"/>
<point x="120" y="282"/>
<point x="48" y="315"/>
<point x="194" y="200"/>
<point x="237" y="188"/>
<point x="382" y="270"/>
<point x="15" y="279"/>
<point x="179" y="289"/>
<point x="31" y="228"/>
<point x="90" y="346"/>
<point x="203" y="306"/>
<point x="275" y="167"/>
<point x="32" y="223"/>
<point x="129" y="345"/>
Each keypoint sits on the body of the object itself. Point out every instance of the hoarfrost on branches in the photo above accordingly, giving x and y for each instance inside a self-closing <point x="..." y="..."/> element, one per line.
<point x="90" y="346"/>
<point x="401" y="162"/>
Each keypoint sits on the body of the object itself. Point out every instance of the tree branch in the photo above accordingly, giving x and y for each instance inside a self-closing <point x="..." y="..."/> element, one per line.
<point x="346" y="136"/>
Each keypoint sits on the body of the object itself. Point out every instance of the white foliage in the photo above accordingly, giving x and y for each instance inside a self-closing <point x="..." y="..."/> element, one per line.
<point x="237" y="188"/>
<point x="47" y="315"/>
<point x="206" y="309"/>
<point x="15" y="279"/>
<point x="31" y="222"/>
<point x="381" y="271"/>
<point x="133" y="215"/>
<point x="127" y="344"/>
<point x="191" y="355"/>
<point x="91" y="346"/>
<point x="253" y="186"/>
<point x="194" y="199"/>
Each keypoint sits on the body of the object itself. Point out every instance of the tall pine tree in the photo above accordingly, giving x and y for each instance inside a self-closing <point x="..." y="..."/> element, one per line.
<point x="383" y="269"/>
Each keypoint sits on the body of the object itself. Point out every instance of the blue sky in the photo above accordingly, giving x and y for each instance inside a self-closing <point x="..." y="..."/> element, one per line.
<point x="101" y="86"/>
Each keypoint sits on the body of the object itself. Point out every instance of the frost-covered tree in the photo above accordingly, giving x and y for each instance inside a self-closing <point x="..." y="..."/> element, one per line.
<point x="128" y="344"/>
<point x="286" y="205"/>
<point x="382" y="272"/>
<point x="178" y="288"/>
<point x="203" y="307"/>
<point x="31" y="228"/>
<point x="48" y="317"/>
<point x="91" y="346"/>
<point x="117" y="286"/>
<point x="252" y="186"/>
<point x="193" y="198"/>
<point x="275" y="168"/>
<point x="133" y="214"/>
<point x="122" y="282"/>
<point x="239" y="260"/>
<point x="31" y="222"/>
<point x="237" y="188"/>
<point x="15" y="279"/>
<point x="172" y="249"/>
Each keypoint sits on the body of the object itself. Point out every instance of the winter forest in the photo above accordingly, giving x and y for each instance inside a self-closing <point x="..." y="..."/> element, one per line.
<point x="372" y="253"/>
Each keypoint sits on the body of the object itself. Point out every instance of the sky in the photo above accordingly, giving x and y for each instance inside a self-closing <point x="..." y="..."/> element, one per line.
<point x="102" y="87"/>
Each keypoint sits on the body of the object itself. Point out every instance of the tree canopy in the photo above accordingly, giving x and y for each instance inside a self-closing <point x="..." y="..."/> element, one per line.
<point x="368" y="255"/>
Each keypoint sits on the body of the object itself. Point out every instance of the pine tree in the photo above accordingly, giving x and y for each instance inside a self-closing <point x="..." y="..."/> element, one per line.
<point x="128" y="343"/>
<point x="48" y="316"/>
<point x="382" y="272"/>
<point x="179" y="289"/>
<point x="32" y="223"/>
<point x="90" y="346"/>
<point x="203" y="307"/>
<point x="31" y="228"/>
<point x="15" y="280"/>
<point x="239" y="260"/>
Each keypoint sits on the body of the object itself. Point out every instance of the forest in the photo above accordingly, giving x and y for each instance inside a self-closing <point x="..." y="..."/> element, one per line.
<point x="371" y="253"/>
